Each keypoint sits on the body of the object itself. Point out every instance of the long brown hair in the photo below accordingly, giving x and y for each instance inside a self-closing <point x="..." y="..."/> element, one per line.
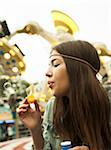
<point x="83" y="117"/>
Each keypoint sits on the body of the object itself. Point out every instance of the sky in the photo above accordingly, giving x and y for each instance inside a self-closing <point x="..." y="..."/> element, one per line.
<point x="92" y="17"/>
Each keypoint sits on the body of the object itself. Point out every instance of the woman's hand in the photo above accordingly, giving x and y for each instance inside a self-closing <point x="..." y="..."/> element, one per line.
<point x="30" y="118"/>
<point x="80" y="148"/>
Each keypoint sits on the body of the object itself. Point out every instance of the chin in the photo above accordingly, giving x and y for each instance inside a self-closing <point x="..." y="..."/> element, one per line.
<point x="54" y="94"/>
<point x="57" y="95"/>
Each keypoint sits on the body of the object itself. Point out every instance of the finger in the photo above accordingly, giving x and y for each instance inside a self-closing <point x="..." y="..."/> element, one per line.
<point x="21" y="110"/>
<point x="80" y="148"/>
<point x="37" y="106"/>
<point x="23" y="106"/>
<point x="23" y="101"/>
<point x="26" y="102"/>
<point x="76" y="148"/>
<point x="84" y="147"/>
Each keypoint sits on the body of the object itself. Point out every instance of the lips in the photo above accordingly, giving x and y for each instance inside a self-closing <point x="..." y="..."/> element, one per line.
<point x="51" y="84"/>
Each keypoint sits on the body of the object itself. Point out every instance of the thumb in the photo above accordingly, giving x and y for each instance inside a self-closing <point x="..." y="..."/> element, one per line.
<point x="37" y="106"/>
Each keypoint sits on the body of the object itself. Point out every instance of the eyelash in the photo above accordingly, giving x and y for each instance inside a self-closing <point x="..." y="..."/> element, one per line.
<point x="55" y="65"/>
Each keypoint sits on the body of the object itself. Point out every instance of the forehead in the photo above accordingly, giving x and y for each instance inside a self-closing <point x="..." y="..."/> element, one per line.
<point x="55" y="55"/>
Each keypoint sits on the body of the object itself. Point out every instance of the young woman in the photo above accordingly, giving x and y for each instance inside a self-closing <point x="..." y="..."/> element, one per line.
<point x="80" y="111"/>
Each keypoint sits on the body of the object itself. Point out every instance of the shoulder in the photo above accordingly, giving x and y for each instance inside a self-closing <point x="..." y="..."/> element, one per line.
<point x="48" y="114"/>
<point x="50" y="103"/>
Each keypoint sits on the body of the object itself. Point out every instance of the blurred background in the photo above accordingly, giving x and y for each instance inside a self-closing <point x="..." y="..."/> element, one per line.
<point x="28" y="30"/>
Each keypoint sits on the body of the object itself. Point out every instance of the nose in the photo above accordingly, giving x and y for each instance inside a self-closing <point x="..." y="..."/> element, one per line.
<point x="48" y="73"/>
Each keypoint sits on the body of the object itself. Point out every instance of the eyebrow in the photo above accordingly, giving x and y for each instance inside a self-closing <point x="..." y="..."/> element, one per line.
<point x="54" y="55"/>
<point x="53" y="60"/>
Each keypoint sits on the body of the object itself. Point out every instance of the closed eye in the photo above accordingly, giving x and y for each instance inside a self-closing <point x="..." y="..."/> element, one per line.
<point x="55" y="65"/>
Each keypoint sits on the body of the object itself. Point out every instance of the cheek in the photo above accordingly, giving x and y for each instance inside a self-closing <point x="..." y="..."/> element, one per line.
<point x="63" y="83"/>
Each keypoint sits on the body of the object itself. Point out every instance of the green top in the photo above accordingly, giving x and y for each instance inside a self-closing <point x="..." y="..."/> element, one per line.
<point x="52" y="142"/>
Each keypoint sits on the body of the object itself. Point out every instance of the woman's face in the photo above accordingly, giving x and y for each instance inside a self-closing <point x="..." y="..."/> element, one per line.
<point x="57" y="75"/>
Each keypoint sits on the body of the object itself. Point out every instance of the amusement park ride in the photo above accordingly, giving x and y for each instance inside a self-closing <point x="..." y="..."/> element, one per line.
<point x="12" y="58"/>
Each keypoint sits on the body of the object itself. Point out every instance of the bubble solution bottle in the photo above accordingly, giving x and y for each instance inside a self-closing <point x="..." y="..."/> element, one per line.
<point x="66" y="145"/>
